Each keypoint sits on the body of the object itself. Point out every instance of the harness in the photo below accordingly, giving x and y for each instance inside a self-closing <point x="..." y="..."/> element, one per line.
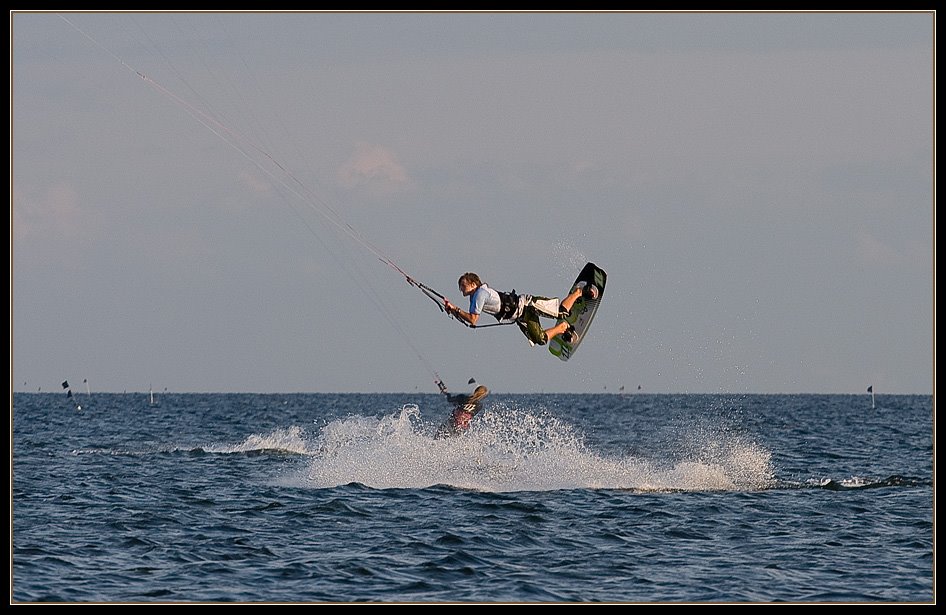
<point x="508" y="306"/>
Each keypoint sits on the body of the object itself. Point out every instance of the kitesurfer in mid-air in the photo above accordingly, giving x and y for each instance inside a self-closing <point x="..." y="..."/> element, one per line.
<point x="524" y="310"/>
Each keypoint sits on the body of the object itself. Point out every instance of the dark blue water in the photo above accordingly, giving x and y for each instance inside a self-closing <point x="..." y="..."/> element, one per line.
<point x="549" y="498"/>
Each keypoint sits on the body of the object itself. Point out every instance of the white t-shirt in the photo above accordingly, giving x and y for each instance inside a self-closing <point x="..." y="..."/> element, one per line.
<point x="485" y="300"/>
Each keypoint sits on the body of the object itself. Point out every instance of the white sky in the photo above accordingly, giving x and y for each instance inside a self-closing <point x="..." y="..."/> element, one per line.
<point x="759" y="188"/>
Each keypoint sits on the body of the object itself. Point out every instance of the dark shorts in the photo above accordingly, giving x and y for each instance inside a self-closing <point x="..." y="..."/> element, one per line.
<point x="530" y="326"/>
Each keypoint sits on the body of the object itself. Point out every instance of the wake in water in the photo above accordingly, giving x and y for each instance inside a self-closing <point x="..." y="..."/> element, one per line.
<point x="510" y="449"/>
<point x="288" y="441"/>
<point x="283" y="441"/>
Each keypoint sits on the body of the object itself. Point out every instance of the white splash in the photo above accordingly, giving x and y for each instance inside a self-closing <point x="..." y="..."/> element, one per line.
<point x="511" y="449"/>
<point x="289" y="440"/>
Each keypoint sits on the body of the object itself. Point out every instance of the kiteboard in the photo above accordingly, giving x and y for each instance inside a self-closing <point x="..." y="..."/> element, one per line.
<point x="582" y="312"/>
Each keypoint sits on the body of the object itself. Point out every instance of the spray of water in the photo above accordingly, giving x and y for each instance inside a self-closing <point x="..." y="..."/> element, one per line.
<point x="513" y="449"/>
<point x="290" y="440"/>
<point x="569" y="257"/>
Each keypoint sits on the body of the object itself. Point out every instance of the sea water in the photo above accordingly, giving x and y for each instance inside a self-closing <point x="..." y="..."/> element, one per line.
<point x="548" y="498"/>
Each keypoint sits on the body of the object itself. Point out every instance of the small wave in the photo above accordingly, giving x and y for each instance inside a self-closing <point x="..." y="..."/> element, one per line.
<point x="282" y="441"/>
<point x="286" y="441"/>
<point x="858" y="482"/>
<point x="512" y="449"/>
<point x="100" y="451"/>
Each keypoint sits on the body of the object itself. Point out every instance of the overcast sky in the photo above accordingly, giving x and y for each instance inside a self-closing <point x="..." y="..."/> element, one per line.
<point x="199" y="200"/>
